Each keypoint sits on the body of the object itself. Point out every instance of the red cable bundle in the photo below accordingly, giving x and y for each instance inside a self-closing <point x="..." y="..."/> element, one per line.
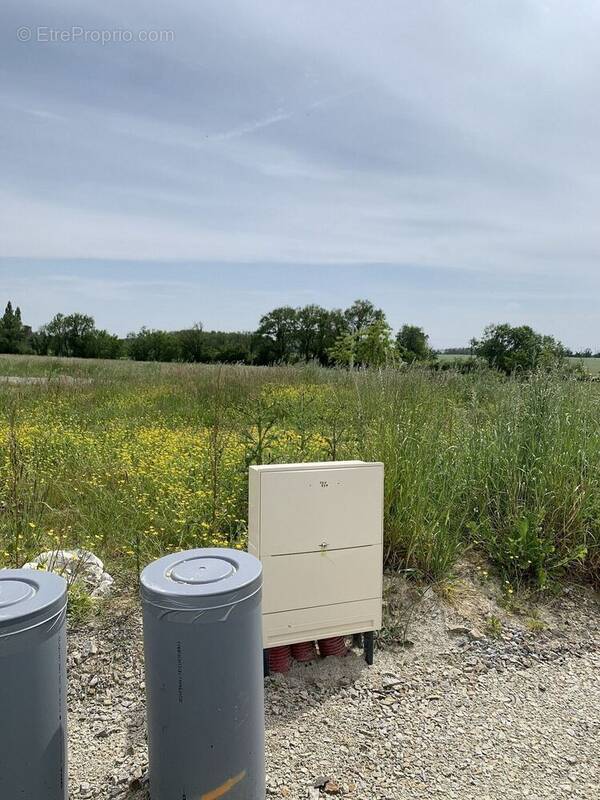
<point x="304" y="651"/>
<point x="280" y="658"/>
<point x="334" y="646"/>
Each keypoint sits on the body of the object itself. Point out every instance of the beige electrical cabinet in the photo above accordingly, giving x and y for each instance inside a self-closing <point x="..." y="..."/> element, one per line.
<point x="318" y="530"/>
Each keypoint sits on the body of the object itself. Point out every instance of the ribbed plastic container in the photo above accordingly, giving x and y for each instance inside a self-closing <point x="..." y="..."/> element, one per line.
<point x="33" y="687"/>
<point x="333" y="646"/>
<point x="204" y="675"/>
<point x="304" y="651"/>
<point x="280" y="658"/>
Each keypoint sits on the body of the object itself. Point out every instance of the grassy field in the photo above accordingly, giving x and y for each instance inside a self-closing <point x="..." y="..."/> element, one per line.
<point x="591" y="365"/>
<point x="135" y="460"/>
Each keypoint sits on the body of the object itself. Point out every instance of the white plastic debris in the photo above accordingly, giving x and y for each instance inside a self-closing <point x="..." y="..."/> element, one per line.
<point x="79" y="566"/>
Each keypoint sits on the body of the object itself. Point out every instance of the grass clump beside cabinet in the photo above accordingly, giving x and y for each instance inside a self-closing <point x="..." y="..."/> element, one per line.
<point x="135" y="460"/>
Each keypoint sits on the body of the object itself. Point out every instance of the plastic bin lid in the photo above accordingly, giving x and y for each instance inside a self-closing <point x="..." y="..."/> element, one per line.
<point x="28" y="596"/>
<point x="201" y="579"/>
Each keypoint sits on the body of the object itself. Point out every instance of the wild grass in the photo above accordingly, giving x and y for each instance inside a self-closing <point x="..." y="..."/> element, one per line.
<point x="135" y="460"/>
<point x="589" y="364"/>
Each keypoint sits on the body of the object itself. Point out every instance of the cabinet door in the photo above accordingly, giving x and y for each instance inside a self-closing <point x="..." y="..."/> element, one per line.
<point x="307" y="624"/>
<point x="318" y="579"/>
<point x="308" y="510"/>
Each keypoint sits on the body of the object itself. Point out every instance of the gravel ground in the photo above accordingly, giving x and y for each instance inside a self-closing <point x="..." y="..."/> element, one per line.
<point x="457" y="715"/>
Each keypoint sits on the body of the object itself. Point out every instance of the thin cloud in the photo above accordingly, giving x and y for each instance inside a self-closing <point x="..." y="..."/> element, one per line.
<point x="250" y="127"/>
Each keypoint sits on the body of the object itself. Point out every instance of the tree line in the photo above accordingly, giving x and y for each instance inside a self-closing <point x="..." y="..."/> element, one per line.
<point x="357" y="336"/>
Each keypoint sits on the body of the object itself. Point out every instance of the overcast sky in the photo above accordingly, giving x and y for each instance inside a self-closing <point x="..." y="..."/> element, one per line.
<point x="441" y="158"/>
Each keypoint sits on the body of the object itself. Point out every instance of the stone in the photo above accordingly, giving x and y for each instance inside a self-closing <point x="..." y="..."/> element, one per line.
<point x="80" y="566"/>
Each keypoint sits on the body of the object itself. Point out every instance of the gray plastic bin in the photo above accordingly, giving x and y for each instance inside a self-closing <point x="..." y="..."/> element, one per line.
<point x="33" y="690"/>
<point x="204" y="675"/>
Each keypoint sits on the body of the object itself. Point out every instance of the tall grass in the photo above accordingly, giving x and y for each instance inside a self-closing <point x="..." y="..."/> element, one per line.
<point x="133" y="460"/>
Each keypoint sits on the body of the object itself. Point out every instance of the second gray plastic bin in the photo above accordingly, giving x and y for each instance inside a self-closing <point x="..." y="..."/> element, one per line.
<point x="204" y="675"/>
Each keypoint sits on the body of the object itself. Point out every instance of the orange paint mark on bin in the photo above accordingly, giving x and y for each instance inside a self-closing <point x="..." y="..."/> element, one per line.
<point x="222" y="790"/>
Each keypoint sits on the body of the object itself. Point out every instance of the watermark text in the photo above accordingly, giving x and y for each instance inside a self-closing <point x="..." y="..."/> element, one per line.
<point x="45" y="34"/>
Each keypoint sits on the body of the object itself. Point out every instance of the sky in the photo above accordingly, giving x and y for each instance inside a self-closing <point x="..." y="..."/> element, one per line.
<point x="210" y="160"/>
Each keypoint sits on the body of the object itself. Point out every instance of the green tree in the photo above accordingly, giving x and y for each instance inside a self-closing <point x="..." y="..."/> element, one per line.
<point x="311" y="332"/>
<point x="279" y="332"/>
<point x="229" y="347"/>
<point x="153" y="345"/>
<point x="343" y="350"/>
<point x="412" y="344"/>
<point x="371" y="346"/>
<point x="511" y="349"/>
<point x="375" y="346"/>
<point x="102" y="344"/>
<point x="317" y="329"/>
<point x="69" y="335"/>
<point x="12" y="332"/>
<point x="191" y="343"/>
<point x="361" y="314"/>
<point x="40" y="342"/>
<point x="309" y="320"/>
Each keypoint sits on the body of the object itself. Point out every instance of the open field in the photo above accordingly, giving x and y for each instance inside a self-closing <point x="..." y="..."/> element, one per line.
<point x="134" y="460"/>
<point x="591" y="365"/>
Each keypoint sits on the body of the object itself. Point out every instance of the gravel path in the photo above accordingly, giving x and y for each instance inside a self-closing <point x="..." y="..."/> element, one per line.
<point x="473" y="717"/>
<point x="422" y="732"/>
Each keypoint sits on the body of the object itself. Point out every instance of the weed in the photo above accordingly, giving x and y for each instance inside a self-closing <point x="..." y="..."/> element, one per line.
<point x="535" y="624"/>
<point x="81" y="606"/>
<point x="493" y="627"/>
